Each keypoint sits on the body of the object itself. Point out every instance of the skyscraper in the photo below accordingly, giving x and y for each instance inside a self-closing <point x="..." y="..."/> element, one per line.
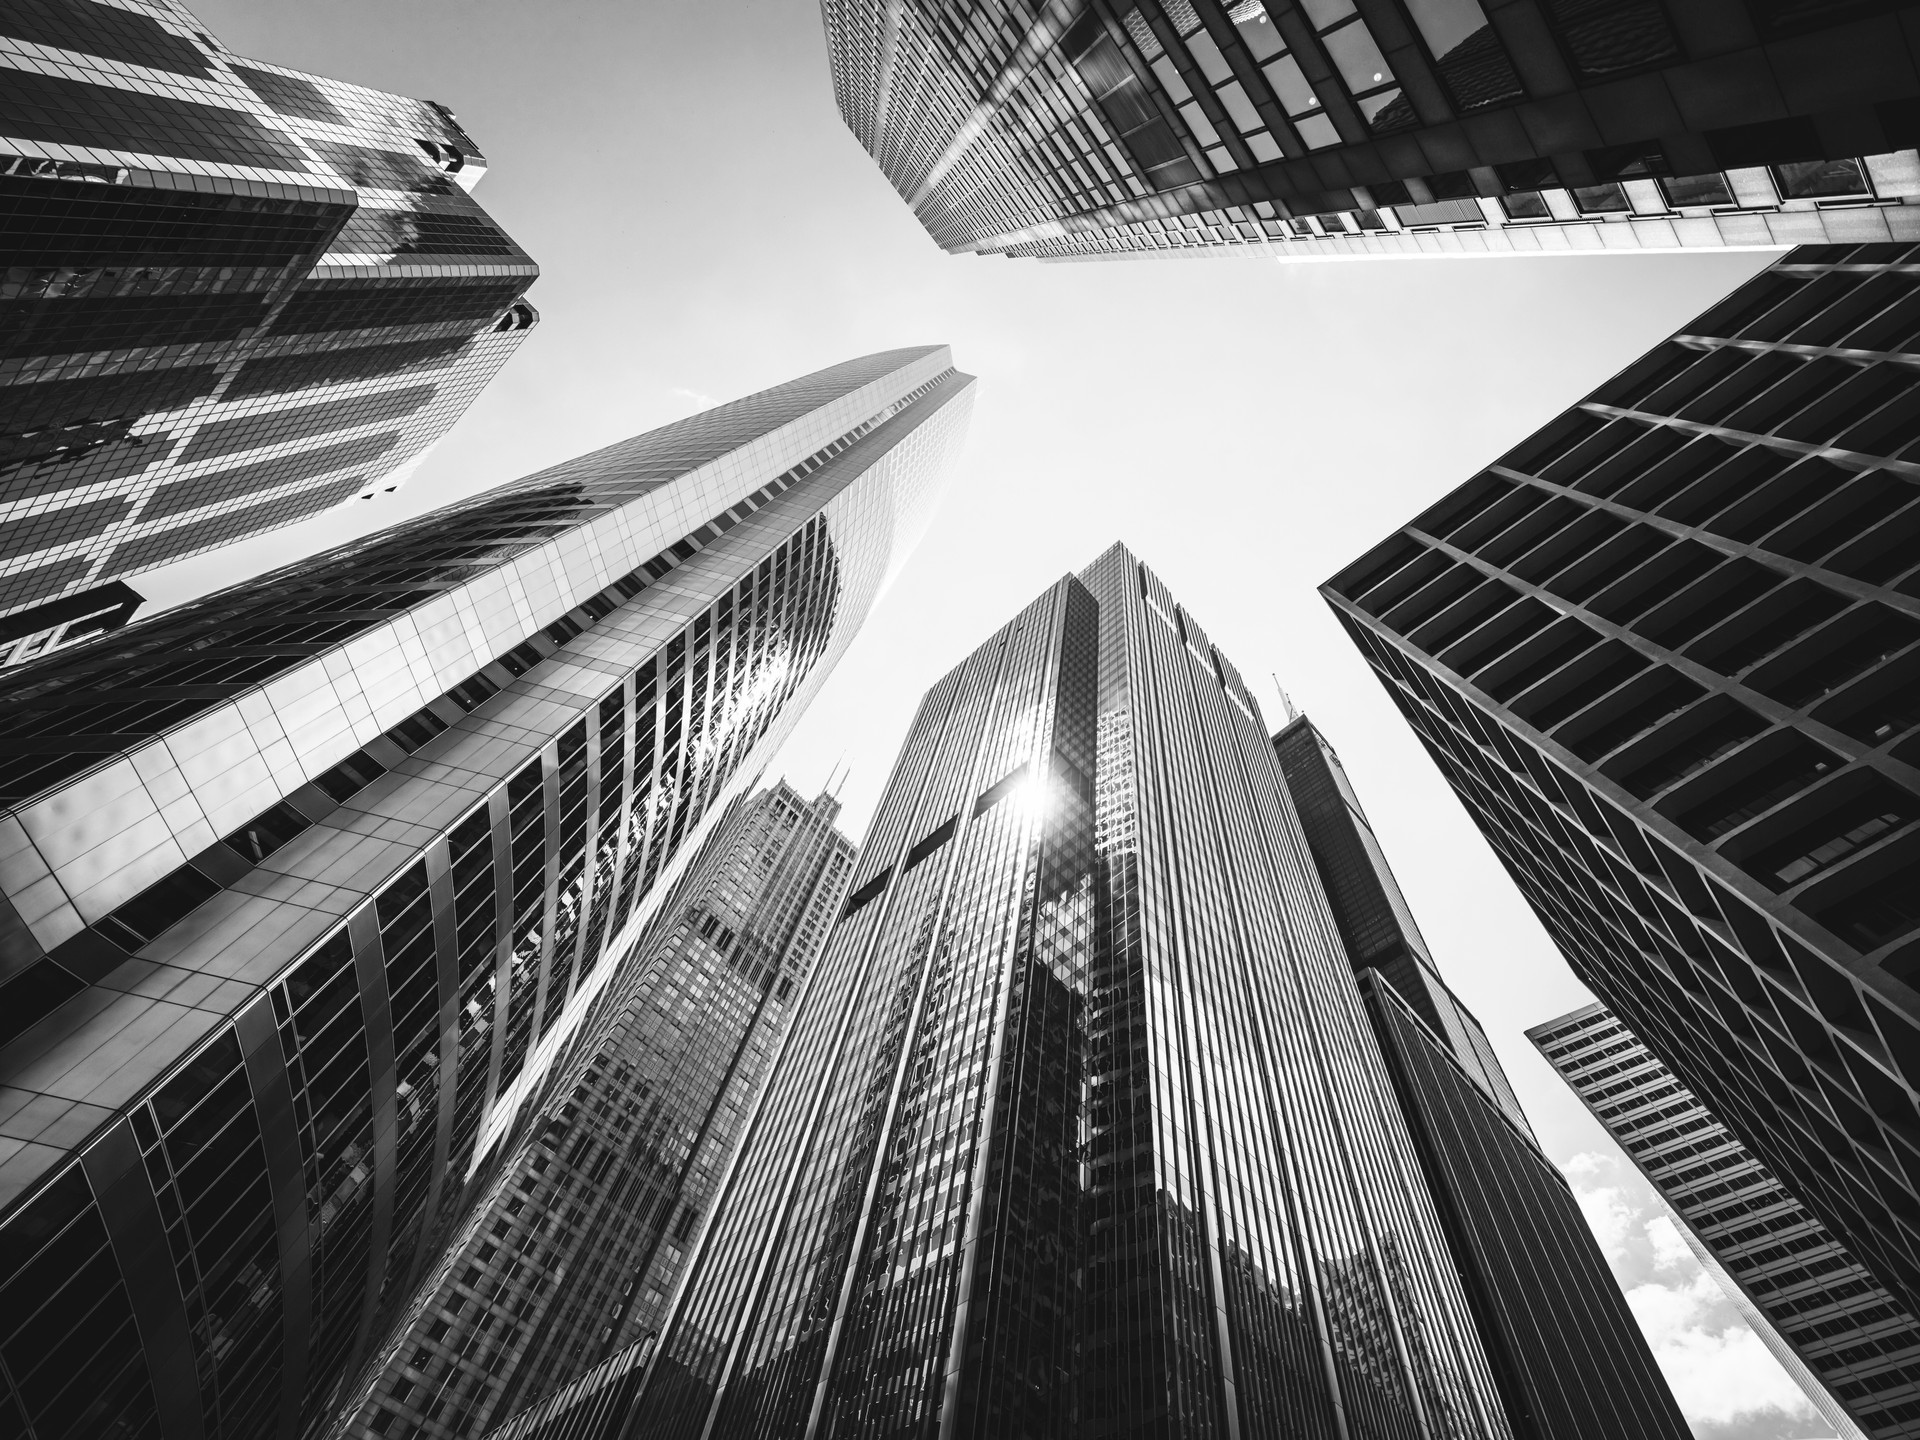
<point x="316" y="886"/>
<point x="1851" y="1346"/>
<point x="1365" y="127"/>
<point x="1080" y="1129"/>
<point x="580" y="1243"/>
<point x="1665" y="651"/>
<point x="1567" y="1355"/>
<point x="235" y="295"/>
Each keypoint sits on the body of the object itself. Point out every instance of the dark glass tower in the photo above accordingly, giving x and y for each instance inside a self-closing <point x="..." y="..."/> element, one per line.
<point x="1080" y="1130"/>
<point x="1667" y="652"/>
<point x="1383" y="127"/>
<point x="234" y="295"/>
<point x="1851" y="1346"/>
<point x="576" y="1250"/>
<point x="316" y="889"/>
<point x="1567" y="1355"/>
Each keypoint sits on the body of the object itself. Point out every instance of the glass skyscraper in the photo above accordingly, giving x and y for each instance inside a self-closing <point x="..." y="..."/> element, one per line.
<point x="315" y="889"/>
<point x="1567" y="1355"/>
<point x="1851" y="1346"/>
<point x="1665" y="651"/>
<point x="234" y="295"/>
<point x="1081" y="1129"/>
<point x="1366" y="127"/>
<point x="573" y="1256"/>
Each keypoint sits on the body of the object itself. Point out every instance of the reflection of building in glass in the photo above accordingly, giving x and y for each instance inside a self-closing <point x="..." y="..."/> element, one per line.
<point x="316" y="889"/>
<point x="1667" y="651"/>
<point x="1081" y="1129"/>
<point x="1567" y="1356"/>
<point x="235" y="295"/>
<point x="1848" y="1344"/>
<point x="1361" y="127"/>
<point x="573" y="1256"/>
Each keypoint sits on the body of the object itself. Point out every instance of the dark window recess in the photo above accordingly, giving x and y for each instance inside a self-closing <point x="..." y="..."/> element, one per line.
<point x="1651" y="702"/>
<point x="872" y="890"/>
<point x="71" y="112"/>
<point x="350" y="776"/>
<point x="290" y="95"/>
<point x="1823" y="664"/>
<point x="103" y="30"/>
<point x="1773" y="772"/>
<point x="1826" y="839"/>
<point x="157" y="908"/>
<point x="32" y="995"/>
<point x="1882" y="706"/>
<point x="361" y="307"/>
<point x="266" y="833"/>
<point x="522" y="658"/>
<point x="999" y="790"/>
<point x="1703" y="739"/>
<point x="1880" y="910"/>
<point x="1790" y="612"/>
<point x="929" y="843"/>
<point x="416" y="730"/>
<point x="473" y="692"/>
<point x="281" y="374"/>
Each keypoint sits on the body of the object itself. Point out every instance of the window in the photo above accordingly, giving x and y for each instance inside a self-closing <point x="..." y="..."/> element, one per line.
<point x="1600" y="199"/>
<point x="1466" y="52"/>
<point x="1692" y="190"/>
<point x="1814" y="179"/>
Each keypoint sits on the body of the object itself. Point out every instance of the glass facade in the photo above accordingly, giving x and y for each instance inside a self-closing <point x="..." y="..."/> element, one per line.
<point x="1664" y="650"/>
<point x="1567" y="1356"/>
<point x="1378" y="127"/>
<point x="580" y="1242"/>
<point x="296" y="956"/>
<point x="234" y="296"/>
<point x="1850" y="1345"/>
<point x="1080" y="1129"/>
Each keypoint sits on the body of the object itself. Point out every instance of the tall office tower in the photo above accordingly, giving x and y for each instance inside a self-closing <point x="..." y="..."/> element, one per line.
<point x="1850" y="1345"/>
<point x="1567" y="1355"/>
<point x="1665" y="653"/>
<point x="1080" y="1129"/>
<point x="234" y="295"/>
<point x="572" y="1258"/>
<point x="315" y="886"/>
<point x="1367" y="127"/>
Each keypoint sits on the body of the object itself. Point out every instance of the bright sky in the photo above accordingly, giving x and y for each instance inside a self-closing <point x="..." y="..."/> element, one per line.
<point x="708" y="228"/>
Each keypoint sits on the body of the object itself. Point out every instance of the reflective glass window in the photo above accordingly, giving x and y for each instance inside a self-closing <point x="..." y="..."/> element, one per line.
<point x="1710" y="189"/>
<point x="1807" y="179"/>
<point x="1466" y="51"/>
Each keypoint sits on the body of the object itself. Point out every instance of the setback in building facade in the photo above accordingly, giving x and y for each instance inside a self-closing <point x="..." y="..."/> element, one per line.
<point x="1081" y="1129"/>
<point x="235" y="295"/>
<point x="1568" y="1358"/>
<point x="1089" y="129"/>
<point x="1851" y="1346"/>
<point x="1667" y="652"/>
<point x="314" y="889"/>
<point x="573" y="1256"/>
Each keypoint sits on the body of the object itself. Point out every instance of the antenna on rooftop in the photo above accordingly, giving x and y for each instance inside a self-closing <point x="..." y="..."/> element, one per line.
<point x="1286" y="700"/>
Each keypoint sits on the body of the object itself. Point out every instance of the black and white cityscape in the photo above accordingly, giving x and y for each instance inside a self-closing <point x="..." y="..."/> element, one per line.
<point x="742" y="798"/>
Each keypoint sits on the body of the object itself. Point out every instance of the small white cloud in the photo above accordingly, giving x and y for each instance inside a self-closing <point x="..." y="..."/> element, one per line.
<point x="698" y="400"/>
<point x="1670" y="1249"/>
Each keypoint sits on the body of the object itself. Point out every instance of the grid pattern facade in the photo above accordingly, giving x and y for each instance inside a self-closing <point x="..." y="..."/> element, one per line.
<point x="416" y="947"/>
<point x="1567" y="1356"/>
<point x="579" y="1246"/>
<point x="1665" y="652"/>
<point x="1088" y="129"/>
<point x="1080" y="1129"/>
<point x="234" y="295"/>
<point x="1856" y="1344"/>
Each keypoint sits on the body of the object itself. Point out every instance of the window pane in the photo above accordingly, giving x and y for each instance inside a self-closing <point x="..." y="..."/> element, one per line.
<point x="1808" y="178"/>
<point x="1387" y="111"/>
<point x="1264" y="148"/>
<point x="1697" y="190"/>
<point x="1257" y="31"/>
<point x="1207" y="56"/>
<point x="1357" y="58"/>
<point x="1296" y="95"/>
<point x="1604" y="36"/>
<point x="1240" y="109"/>
<point x="1318" y="132"/>
<point x="1599" y="199"/>
<point x="1325" y="12"/>
<point x="1529" y="206"/>
<point x="1198" y="123"/>
<point x="1170" y="78"/>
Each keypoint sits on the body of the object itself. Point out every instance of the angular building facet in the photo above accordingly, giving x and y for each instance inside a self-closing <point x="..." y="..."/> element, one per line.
<point x="316" y="888"/>
<point x="1567" y="1355"/>
<point x="1852" y="1347"/>
<point x="1080" y="1128"/>
<point x="235" y="295"/>
<point x="1667" y="652"/>
<point x="574" y="1254"/>
<point x="1367" y="127"/>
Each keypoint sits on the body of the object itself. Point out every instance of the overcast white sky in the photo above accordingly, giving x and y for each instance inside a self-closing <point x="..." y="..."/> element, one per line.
<point x="708" y="228"/>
